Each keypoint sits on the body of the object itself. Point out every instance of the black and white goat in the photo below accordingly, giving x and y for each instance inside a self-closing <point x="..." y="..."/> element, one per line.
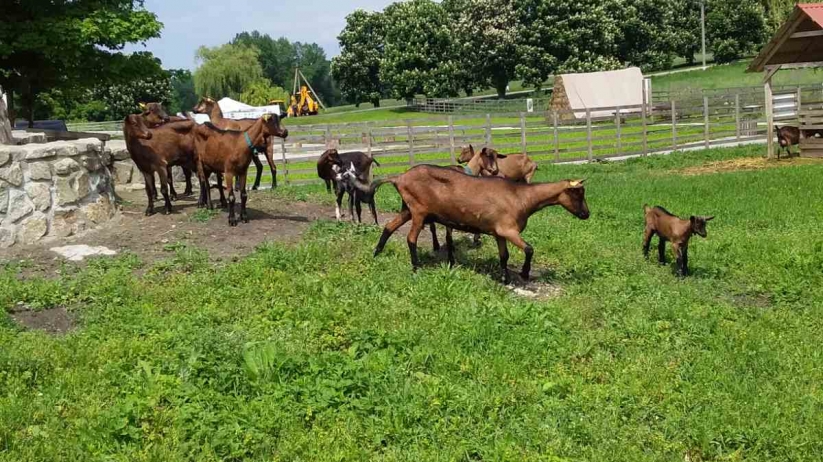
<point x="345" y="167"/>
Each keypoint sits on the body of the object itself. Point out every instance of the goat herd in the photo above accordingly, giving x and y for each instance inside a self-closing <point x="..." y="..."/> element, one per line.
<point x="489" y="194"/>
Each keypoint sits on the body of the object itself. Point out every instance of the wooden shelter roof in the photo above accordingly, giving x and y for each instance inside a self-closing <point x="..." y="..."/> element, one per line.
<point x="798" y="42"/>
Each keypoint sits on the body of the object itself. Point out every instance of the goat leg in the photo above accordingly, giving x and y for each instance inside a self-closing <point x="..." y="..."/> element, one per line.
<point x="678" y="253"/>
<point x="259" y="166"/>
<point x="223" y="203"/>
<point x="351" y="205"/>
<point x="230" y="187"/>
<point x="272" y="165"/>
<point x="450" y="246"/>
<point x="373" y="210"/>
<point x="243" y="198"/>
<point x="187" y="173"/>
<point x="358" y="207"/>
<point x="164" y="189"/>
<point x="148" y="178"/>
<point x="503" y="251"/>
<point x="515" y="238"/>
<point x="401" y="219"/>
<point x="340" y="192"/>
<point x="661" y="250"/>
<point x="647" y="242"/>
<point x="170" y="182"/>
<point x="435" y="242"/>
<point x="414" y="233"/>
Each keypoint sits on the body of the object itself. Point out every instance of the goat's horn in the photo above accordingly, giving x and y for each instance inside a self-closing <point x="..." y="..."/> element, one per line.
<point x="142" y="105"/>
<point x="266" y="117"/>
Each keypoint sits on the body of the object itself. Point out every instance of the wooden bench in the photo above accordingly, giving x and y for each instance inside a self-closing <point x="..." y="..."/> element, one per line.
<point x="811" y="123"/>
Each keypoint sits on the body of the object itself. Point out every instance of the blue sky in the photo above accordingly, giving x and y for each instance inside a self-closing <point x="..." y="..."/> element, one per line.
<point x="189" y="23"/>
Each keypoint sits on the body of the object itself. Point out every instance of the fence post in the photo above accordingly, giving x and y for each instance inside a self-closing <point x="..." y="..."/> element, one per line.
<point x="674" y="126"/>
<point x="327" y="137"/>
<point x="589" y="133"/>
<point x="411" y="143"/>
<point x="523" y="132"/>
<point x="285" y="161"/>
<point x="737" y="116"/>
<point x="645" y="129"/>
<point x="799" y="101"/>
<point x="488" y="130"/>
<point x="706" y="121"/>
<point x="556" y="139"/>
<point x="451" y="139"/>
<point x="368" y="140"/>
<point x="619" y="126"/>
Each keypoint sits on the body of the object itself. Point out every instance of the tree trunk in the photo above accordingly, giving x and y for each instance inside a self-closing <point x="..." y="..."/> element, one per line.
<point x="500" y="85"/>
<point x="5" y="125"/>
<point x="376" y="102"/>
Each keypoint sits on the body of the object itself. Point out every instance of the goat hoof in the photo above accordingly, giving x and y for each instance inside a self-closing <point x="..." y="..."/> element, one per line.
<point x="149" y="212"/>
<point x="254" y="188"/>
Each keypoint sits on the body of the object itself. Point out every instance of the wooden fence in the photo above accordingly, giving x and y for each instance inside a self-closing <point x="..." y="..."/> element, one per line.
<point x="548" y="137"/>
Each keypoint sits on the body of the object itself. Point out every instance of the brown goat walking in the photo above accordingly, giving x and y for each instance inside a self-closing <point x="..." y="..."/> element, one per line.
<point x="678" y="231"/>
<point x="515" y="167"/>
<point x="230" y="153"/>
<point x="155" y="115"/>
<point x="152" y="151"/>
<point x="493" y="206"/>
<point x="210" y="107"/>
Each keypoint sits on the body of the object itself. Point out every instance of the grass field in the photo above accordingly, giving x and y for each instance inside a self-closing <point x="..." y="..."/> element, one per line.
<point x="320" y="352"/>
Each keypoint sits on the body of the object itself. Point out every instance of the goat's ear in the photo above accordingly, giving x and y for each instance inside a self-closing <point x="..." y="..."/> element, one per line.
<point x="708" y="218"/>
<point x="501" y="156"/>
<point x="693" y="219"/>
<point x="576" y="183"/>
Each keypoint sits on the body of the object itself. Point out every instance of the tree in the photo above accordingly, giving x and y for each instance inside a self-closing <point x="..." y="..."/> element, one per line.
<point x="357" y="68"/>
<point x="226" y="70"/>
<point x="46" y="44"/>
<point x="648" y="36"/>
<point x="776" y="12"/>
<point x="183" y="95"/>
<point x="420" y="55"/>
<point x="561" y="36"/>
<point x="686" y="27"/>
<point x="277" y="57"/>
<point x="734" y="29"/>
<point x="261" y="92"/>
<point x="486" y="36"/>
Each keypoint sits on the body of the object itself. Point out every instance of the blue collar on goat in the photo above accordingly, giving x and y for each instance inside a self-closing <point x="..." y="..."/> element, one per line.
<point x="467" y="170"/>
<point x="250" y="144"/>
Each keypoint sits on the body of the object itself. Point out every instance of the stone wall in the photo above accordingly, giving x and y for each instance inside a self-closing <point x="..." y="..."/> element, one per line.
<point x="5" y="125"/>
<point x="54" y="190"/>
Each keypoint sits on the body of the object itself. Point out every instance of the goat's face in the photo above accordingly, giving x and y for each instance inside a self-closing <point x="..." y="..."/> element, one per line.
<point x="488" y="162"/>
<point x="137" y="127"/>
<point x="466" y="154"/>
<point x="332" y="157"/>
<point x="699" y="225"/>
<point x="274" y="127"/>
<point x="205" y="106"/>
<point x="154" y="114"/>
<point x="573" y="199"/>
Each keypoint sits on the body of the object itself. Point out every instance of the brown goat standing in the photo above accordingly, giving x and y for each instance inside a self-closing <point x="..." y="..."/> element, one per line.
<point x="515" y="167"/>
<point x="155" y="115"/>
<point x="493" y="206"/>
<point x="678" y="231"/>
<point x="230" y="153"/>
<point x="212" y="109"/>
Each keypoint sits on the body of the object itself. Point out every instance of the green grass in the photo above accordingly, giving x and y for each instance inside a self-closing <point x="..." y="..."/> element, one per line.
<point x="731" y="76"/>
<point x="321" y="352"/>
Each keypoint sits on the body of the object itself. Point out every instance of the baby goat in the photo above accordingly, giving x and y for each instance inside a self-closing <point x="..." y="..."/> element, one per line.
<point x="668" y="227"/>
<point x="493" y="206"/>
<point x="335" y="168"/>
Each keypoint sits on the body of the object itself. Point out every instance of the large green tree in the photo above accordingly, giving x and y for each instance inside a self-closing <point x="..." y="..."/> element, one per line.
<point x="262" y="92"/>
<point x="183" y="98"/>
<point x="647" y="32"/>
<point x="735" y="29"/>
<point x="561" y="36"/>
<point x="686" y="27"/>
<point x="776" y="12"/>
<point x="486" y="36"/>
<point x="226" y="70"/>
<point x="420" y="54"/>
<point x="277" y="57"/>
<point x="52" y="44"/>
<point x="357" y="68"/>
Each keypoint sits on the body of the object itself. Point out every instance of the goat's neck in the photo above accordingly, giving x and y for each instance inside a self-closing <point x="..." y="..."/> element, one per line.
<point x="535" y="197"/>
<point x="215" y="114"/>
<point x="475" y="165"/>
<point x="256" y="134"/>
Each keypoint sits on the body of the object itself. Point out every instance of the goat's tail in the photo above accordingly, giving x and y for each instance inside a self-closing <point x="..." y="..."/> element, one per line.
<point x="375" y="161"/>
<point x="372" y="188"/>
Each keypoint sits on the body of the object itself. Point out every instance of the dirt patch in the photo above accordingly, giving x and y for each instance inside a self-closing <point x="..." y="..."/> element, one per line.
<point x="56" y="321"/>
<point x="535" y="288"/>
<point x="745" y="163"/>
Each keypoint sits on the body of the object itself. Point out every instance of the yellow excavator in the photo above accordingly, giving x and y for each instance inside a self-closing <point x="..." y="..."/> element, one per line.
<point x="306" y="102"/>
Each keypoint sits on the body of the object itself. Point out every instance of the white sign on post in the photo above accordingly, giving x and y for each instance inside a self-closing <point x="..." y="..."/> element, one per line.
<point x="529" y="105"/>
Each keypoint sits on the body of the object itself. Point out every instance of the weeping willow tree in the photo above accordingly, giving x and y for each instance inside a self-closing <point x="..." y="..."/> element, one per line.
<point x="226" y="70"/>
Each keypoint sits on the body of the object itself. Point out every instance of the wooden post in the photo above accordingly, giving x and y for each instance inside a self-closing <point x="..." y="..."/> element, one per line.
<point x="589" y="132"/>
<point x="285" y="161"/>
<point x="706" y="121"/>
<point x="737" y="116"/>
<point x="411" y="143"/>
<point x="488" y="130"/>
<point x="645" y="128"/>
<point x="523" y="132"/>
<point x="556" y="137"/>
<point x="799" y="101"/>
<point x="368" y="140"/>
<point x="327" y="137"/>
<point x="619" y="125"/>
<point x="451" y="139"/>
<point x="769" y="118"/>
<point x="674" y="126"/>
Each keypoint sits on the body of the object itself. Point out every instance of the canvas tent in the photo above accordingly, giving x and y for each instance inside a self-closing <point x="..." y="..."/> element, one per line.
<point x="236" y="110"/>
<point x="609" y="89"/>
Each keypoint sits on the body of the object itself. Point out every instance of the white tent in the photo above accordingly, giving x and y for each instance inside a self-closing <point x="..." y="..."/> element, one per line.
<point x="236" y="110"/>
<point x="598" y="90"/>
